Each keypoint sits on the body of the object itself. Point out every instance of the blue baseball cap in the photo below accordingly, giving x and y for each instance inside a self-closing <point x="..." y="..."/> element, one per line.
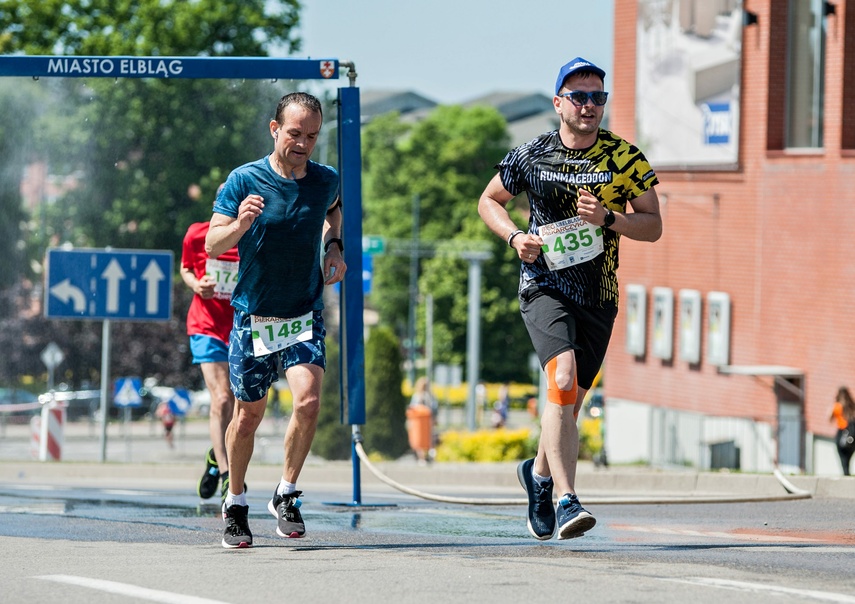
<point x="575" y="66"/>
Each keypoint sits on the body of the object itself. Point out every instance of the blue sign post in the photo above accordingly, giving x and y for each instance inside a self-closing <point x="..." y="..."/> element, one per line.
<point x="103" y="297"/>
<point x="129" y="285"/>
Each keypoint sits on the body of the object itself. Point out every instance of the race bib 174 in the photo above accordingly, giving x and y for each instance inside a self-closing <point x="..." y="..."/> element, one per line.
<point x="224" y="274"/>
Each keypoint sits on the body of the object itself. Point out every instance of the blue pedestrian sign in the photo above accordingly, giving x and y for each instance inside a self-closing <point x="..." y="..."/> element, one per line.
<point x="130" y="285"/>
<point x="126" y="392"/>
<point x="179" y="404"/>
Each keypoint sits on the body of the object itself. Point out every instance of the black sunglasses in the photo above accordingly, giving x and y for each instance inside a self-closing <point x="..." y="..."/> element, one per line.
<point x="580" y="97"/>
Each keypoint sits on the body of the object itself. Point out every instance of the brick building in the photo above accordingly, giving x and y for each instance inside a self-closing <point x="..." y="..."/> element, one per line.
<point x="745" y="377"/>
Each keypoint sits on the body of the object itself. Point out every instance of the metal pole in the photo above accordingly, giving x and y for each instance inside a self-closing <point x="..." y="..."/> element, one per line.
<point x="473" y="335"/>
<point x="105" y="382"/>
<point x="429" y="340"/>
<point x="414" y="291"/>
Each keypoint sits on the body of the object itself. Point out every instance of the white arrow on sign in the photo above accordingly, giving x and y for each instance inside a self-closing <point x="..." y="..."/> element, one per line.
<point x="113" y="274"/>
<point x="65" y="291"/>
<point x="152" y="275"/>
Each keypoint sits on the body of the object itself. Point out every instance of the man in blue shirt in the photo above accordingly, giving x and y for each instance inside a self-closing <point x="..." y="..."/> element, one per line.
<point x="280" y="211"/>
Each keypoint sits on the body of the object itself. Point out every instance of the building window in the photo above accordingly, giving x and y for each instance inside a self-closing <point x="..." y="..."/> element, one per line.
<point x="805" y="73"/>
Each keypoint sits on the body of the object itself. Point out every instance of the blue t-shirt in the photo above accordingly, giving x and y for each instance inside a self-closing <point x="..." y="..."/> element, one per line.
<point x="280" y="272"/>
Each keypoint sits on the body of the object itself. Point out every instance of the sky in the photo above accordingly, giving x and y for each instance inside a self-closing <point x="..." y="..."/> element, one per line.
<point x="451" y="51"/>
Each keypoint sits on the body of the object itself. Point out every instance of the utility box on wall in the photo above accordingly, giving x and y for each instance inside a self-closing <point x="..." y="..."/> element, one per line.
<point x="690" y="326"/>
<point x="718" y="330"/>
<point x="636" y="319"/>
<point x="663" y="323"/>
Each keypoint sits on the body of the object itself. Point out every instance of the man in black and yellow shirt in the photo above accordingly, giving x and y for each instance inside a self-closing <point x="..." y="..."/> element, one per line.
<point x="579" y="180"/>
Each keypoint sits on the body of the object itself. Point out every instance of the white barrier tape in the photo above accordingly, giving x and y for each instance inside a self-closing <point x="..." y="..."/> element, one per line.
<point x="11" y="408"/>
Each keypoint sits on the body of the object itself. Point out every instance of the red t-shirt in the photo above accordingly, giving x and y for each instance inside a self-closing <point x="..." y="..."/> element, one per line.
<point x="210" y="317"/>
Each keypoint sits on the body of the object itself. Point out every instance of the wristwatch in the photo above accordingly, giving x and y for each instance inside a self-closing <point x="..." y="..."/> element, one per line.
<point x="336" y="241"/>
<point x="609" y="220"/>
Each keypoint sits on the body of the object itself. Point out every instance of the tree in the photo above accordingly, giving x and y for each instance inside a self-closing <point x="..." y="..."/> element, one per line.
<point x="148" y="27"/>
<point x="444" y="161"/>
<point x="19" y="108"/>
<point x="149" y="153"/>
<point x="332" y="438"/>
<point x="385" y="404"/>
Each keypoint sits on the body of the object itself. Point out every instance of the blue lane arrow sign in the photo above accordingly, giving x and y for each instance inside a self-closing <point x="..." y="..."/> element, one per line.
<point x="132" y="285"/>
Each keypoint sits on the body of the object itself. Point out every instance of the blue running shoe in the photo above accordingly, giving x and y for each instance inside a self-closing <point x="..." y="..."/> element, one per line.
<point x="573" y="519"/>
<point x="541" y="513"/>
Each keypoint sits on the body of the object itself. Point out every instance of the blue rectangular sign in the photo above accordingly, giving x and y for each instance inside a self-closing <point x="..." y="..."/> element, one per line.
<point x="264" y="68"/>
<point x="130" y="285"/>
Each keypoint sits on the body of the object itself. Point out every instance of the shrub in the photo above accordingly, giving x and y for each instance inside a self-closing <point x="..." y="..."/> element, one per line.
<point x="487" y="445"/>
<point x="385" y="405"/>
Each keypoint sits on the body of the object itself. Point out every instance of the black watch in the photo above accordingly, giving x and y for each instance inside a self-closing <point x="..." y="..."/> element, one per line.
<point x="609" y="220"/>
<point x="336" y="241"/>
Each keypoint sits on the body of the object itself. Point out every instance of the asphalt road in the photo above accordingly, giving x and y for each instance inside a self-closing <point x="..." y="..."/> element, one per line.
<point x="82" y="531"/>
<point x="66" y="543"/>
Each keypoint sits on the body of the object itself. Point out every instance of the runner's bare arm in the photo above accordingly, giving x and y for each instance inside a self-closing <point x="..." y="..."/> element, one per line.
<point x="224" y="231"/>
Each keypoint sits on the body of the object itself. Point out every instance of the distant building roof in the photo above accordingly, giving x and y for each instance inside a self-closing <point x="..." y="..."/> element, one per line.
<point x="528" y="114"/>
<point x="515" y="105"/>
<point x="378" y="102"/>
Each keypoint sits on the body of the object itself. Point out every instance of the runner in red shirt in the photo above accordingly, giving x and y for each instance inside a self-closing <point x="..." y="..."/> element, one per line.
<point x="209" y="323"/>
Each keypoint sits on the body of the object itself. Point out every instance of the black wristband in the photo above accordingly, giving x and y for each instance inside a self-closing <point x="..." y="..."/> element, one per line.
<point x="512" y="235"/>
<point x="335" y="240"/>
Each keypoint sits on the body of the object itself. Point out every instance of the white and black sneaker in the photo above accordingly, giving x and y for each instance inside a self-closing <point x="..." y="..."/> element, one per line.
<point x="286" y="508"/>
<point x="237" y="533"/>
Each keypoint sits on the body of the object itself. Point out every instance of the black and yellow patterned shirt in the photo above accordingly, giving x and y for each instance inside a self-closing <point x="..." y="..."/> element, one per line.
<point x="551" y="174"/>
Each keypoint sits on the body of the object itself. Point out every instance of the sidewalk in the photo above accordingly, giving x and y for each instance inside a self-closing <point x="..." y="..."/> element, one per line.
<point x="137" y="455"/>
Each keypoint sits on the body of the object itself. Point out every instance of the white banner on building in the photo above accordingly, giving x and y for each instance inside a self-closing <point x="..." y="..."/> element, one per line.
<point x="688" y="62"/>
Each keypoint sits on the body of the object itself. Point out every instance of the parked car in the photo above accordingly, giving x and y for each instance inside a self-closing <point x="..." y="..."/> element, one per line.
<point x="17" y="404"/>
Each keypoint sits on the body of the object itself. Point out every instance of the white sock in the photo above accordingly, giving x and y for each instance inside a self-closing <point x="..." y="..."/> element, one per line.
<point x="232" y="499"/>
<point x="541" y="480"/>
<point x="285" y="487"/>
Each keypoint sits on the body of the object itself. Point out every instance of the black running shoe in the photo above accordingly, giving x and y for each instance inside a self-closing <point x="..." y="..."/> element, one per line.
<point x="286" y="508"/>
<point x="208" y="483"/>
<point x="541" y="513"/>
<point x="573" y="519"/>
<point x="237" y="534"/>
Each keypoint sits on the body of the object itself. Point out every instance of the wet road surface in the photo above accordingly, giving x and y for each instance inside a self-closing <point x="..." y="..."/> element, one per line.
<point x="399" y="548"/>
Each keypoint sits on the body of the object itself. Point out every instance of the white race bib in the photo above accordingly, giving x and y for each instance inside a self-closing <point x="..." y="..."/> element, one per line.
<point x="224" y="274"/>
<point x="272" y="334"/>
<point x="570" y="242"/>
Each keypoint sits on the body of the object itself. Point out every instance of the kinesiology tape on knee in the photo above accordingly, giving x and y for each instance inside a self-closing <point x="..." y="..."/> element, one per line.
<point x="556" y="395"/>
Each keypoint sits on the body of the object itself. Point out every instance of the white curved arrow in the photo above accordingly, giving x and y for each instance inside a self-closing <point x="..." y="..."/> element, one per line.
<point x="152" y="275"/>
<point x="113" y="274"/>
<point x="65" y="291"/>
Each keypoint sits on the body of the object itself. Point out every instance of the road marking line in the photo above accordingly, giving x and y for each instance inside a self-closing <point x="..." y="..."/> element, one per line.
<point x="716" y="534"/>
<point x="132" y="591"/>
<point x="826" y="596"/>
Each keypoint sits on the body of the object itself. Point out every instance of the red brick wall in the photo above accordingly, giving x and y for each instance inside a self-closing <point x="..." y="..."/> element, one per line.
<point x="775" y="234"/>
